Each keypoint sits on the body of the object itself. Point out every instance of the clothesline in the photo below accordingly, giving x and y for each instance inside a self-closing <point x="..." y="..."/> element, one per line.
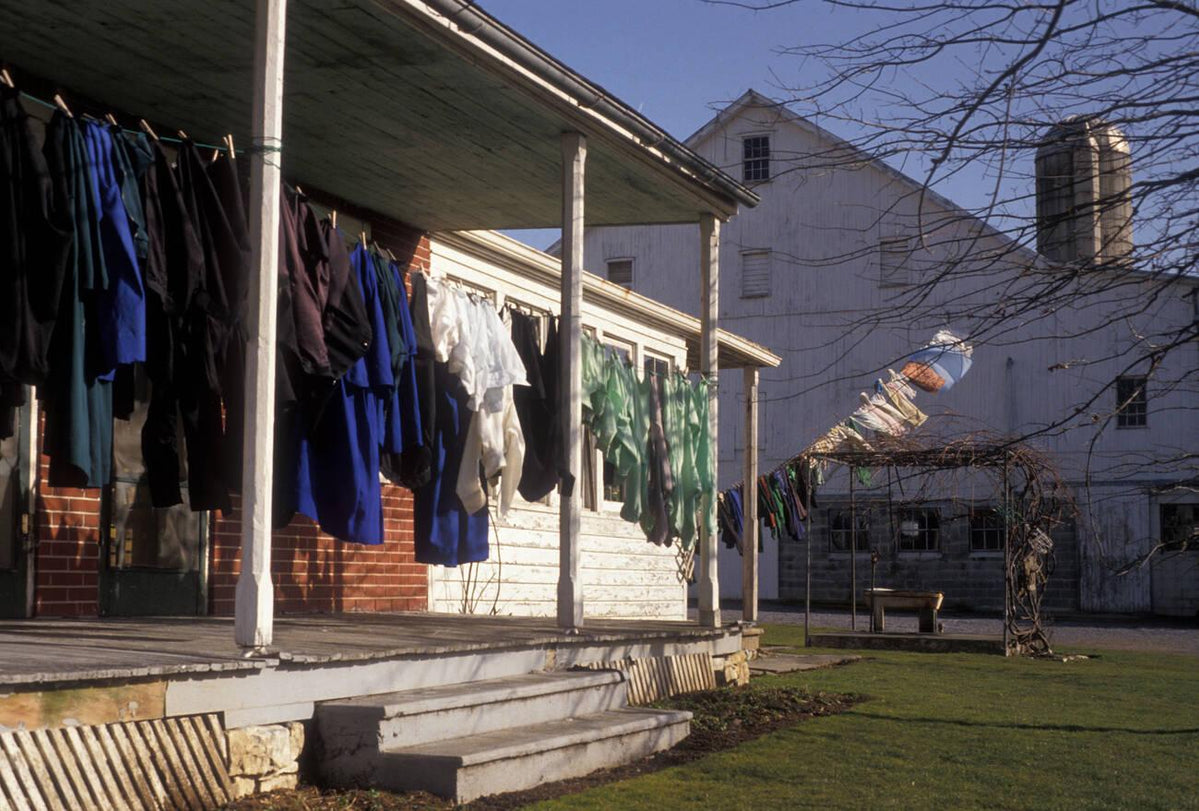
<point x="924" y="368"/>
<point x="164" y="138"/>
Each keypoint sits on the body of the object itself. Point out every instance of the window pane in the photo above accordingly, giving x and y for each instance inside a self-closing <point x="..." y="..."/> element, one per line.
<point x="755" y="160"/>
<point x="841" y="535"/>
<point x="986" y="531"/>
<point x="1132" y="404"/>
<point x="919" y="530"/>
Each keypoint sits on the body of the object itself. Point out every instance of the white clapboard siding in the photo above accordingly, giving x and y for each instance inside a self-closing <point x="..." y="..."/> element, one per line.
<point x="623" y="575"/>
<point x="848" y="241"/>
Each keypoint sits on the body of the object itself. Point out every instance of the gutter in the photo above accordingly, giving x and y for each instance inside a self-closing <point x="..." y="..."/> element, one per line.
<point x="474" y="21"/>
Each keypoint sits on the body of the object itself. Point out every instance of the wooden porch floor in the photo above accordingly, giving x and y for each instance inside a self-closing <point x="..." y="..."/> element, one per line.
<point x="57" y="651"/>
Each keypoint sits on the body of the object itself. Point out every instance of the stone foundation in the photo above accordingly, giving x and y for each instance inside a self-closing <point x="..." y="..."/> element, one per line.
<point x="265" y="758"/>
<point x="732" y="669"/>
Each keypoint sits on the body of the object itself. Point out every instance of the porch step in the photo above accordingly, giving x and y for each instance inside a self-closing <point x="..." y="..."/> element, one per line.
<point x="430" y="714"/>
<point x="474" y="766"/>
<point x="469" y="740"/>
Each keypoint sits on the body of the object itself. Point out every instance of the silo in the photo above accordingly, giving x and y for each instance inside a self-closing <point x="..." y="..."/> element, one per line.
<point x="1084" y="208"/>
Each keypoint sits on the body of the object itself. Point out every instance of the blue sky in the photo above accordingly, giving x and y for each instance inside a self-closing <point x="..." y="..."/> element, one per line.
<point x="677" y="61"/>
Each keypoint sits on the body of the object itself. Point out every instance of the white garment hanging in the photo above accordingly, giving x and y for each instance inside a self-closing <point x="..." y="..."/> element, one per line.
<point x="495" y="441"/>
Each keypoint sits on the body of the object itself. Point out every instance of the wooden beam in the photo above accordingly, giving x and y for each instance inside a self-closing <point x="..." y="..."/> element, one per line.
<point x="709" y="315"/>
<point x="255" y="604"/>
<point x="749" y="477"/>
<point x="570" y="585"/>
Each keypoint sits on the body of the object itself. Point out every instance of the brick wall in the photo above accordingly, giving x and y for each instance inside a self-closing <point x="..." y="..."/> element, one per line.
<point x="314" y="573"/>
<point x="68" y="551"/>
<point x="970" y="580"/>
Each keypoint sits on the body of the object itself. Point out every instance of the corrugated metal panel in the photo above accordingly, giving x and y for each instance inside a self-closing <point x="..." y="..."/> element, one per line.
<point x="172" y="763"/>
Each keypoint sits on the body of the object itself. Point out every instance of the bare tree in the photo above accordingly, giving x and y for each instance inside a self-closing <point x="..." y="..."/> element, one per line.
<point x="985" y="89"/>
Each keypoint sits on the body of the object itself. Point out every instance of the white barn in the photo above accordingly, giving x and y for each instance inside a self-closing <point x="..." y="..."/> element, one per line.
<point x="836" y="241"/>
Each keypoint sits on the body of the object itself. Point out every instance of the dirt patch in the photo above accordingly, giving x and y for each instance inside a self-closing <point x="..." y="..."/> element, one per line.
<point x="723" y="719"/>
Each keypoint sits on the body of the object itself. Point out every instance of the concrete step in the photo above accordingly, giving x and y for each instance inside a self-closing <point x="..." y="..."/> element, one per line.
<point x="354" y="731"/>
<point x="466" y="768"/>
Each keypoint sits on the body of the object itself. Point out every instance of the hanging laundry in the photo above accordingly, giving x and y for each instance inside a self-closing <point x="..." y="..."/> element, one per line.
<point x="730" y="515"/>
<point x="36" y="235"/>
<point x="339" y="460"/>
<point x="446" y="534"/>
<point x="416" y="462"/>
<point x="940" y="364"/>
<point x="494" y="441"/>
<point x="904" y="407"/>
<point x="660" y="478"/>
<point x="537" y="406"/>
<point x="875" y="414"/>
<point x="77" y="395"/>
<point x="121" y="307"/>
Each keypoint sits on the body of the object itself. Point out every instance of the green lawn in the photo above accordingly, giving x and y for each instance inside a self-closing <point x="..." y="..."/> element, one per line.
<point x="957" y="731"/>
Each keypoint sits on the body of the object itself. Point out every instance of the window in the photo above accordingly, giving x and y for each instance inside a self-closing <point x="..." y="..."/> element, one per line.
<point x="840" y="531"/>
<point x="986" y="530"/>
<point x="755" y="158"/>
<point x="656" y="366"/>
<point x="1132" y="407"/>
<point x="755" y="274"/>
<point x="620" y="271"/>
<point x="1180" y="526"/>
<point x="919" y="530"/>
<point x="894" y="267"/>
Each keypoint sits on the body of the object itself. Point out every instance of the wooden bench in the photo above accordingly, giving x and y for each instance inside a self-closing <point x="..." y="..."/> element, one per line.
<point x="925" y="603"/>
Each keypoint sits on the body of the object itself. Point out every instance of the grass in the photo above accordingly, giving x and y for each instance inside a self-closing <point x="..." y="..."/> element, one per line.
<point x="956" y="731"/>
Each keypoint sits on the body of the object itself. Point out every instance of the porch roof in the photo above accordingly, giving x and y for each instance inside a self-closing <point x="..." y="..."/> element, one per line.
<point x="428" y="111"/>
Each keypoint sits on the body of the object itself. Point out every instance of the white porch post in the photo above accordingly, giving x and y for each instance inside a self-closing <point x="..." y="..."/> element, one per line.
<point x="749" y="477"/>
<point x="255" y="606"/>
<point x="709" y="257"/>
<point x="570" y="586"/>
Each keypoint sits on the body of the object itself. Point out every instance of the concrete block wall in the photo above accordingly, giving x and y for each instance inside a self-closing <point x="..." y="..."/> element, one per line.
<point x="969" y="580"/>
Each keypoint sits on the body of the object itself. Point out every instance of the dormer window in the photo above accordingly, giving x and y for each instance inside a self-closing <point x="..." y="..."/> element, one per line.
<point x="755" y="158"/>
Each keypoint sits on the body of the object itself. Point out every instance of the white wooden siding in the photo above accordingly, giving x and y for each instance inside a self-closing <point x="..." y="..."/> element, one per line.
<point x="624" y="576"/>
<point x="824" y="221"/>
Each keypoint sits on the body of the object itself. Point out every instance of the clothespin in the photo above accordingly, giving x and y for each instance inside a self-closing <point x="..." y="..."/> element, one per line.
<point x="333" y="217"/>
<point x="146" y="128"/>
<point x="300" y="191"/>
<point x="111" y="119"/>
<point x="362" y="238"/>
<point x="6" y="77"/>
<point x="62" y="105"/>
<point x="183" y="136"/>
<point x="216" y="153"/>
<point x="228" y="140"/>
